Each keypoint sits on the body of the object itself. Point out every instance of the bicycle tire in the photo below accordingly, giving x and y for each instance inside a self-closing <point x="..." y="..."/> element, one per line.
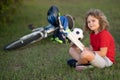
<point x="18" y="43"/>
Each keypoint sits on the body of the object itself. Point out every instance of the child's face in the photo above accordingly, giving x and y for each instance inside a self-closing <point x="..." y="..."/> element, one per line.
<point x="93" y="23"/>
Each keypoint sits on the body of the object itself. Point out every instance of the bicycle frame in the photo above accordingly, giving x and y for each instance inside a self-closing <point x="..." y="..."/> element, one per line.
<point x="36" y="35"/>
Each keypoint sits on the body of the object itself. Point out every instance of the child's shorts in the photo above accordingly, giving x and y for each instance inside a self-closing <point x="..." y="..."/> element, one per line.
<point x="101" y="62"/>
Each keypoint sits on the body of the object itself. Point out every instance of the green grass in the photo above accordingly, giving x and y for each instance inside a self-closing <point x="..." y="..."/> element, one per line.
<point x="46" y="60"/>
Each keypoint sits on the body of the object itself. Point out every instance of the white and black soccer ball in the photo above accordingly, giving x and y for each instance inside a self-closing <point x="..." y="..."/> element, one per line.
<point x="78" y="33"/>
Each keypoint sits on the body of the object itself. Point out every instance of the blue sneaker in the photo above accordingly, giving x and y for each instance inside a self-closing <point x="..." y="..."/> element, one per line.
<point x="72" y="62"/>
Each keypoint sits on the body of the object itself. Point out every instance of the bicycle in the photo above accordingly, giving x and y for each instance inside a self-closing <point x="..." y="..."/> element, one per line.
<point x="36" y="35"/>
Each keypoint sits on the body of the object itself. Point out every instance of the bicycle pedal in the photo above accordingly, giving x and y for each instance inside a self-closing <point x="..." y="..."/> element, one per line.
<point x="30" y="26"/>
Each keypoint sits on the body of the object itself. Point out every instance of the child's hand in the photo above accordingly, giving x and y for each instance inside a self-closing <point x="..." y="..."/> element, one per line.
<point x="72" y="44"/>
<point x="86" y="48"/>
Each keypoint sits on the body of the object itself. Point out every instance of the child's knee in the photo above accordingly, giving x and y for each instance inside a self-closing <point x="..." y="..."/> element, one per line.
<point x="88" y="56"/>
<point x="70" y="51"/>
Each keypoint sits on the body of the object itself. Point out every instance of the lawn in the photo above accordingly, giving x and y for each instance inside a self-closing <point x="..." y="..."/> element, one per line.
<point x="46" y="60"/>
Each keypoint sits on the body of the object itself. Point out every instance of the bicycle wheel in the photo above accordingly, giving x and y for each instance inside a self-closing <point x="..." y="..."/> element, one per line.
<point x="20" y="43"/>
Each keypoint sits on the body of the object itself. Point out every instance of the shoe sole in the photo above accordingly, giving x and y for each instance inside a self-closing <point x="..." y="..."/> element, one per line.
<point x="80" y="68"/>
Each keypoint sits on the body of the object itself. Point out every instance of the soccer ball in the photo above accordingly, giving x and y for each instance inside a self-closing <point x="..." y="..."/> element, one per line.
<point x="78" y="33"/>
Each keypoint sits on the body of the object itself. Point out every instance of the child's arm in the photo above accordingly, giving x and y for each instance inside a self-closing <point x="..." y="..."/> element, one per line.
<point x="102" y="52"/>
<point x="91" y="48"/>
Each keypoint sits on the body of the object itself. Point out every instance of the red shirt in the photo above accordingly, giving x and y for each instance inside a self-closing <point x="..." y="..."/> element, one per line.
<point x="103" y="39"/>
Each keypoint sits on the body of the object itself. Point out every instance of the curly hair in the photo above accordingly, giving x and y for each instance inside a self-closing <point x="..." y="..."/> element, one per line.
<point x="103" y="22"/>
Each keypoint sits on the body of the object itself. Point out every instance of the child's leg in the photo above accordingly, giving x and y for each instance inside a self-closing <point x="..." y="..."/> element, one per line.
<point x="74" y="52"/>
<point x="101" y="62"/>
<point x="86" y="57"/>
<point x="94" y="59"/>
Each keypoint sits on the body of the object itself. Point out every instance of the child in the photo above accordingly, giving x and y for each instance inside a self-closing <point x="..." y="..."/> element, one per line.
<point x="101" y="52"/>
